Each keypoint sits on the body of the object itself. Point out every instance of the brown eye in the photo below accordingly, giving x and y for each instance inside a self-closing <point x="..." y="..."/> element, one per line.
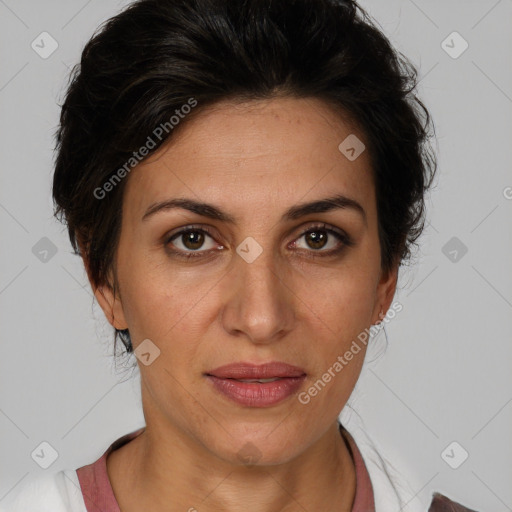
<point x="193" y="240"/>
<point x="316" y="239"/>
<point x="189" y="241"/>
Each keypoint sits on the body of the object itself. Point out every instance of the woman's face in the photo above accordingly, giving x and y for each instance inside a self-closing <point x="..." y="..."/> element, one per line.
<point x="256" y="289"/>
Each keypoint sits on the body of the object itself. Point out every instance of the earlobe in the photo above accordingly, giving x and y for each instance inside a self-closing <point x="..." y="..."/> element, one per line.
<point x="111" y="306"/>
<point x="106" y="297"/>
<point x="385" y="293"/>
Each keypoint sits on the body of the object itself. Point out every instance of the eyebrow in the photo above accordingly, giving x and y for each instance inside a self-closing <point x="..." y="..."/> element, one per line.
<point x="211" y="211"/>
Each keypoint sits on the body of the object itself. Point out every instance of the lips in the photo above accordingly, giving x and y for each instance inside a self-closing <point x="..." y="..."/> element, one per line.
<point x="253" y="385"/>
<point x="250" y="372"/>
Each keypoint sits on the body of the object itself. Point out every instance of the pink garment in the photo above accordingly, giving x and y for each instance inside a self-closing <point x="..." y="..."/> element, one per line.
<point x="99" y="496"/>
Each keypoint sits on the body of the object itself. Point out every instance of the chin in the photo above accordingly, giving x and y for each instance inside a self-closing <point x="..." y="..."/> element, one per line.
<point x="265" y="446"/>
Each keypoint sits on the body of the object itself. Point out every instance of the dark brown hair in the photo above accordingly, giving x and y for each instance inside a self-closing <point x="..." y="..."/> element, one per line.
<point x="144" y="64"/>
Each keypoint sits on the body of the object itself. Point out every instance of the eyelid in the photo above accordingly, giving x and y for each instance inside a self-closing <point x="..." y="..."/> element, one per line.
<point x="326" y="227"/>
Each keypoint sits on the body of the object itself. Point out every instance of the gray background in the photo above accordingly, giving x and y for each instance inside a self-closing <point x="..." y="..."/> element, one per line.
<point x="446" y="373"/>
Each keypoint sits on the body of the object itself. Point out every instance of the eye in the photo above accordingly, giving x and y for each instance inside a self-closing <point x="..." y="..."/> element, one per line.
<point x="189" y="241"/>
<point x="320" y="236"/>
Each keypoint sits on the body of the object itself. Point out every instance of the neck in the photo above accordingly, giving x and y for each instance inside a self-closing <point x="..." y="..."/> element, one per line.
<point x="162" y="469"/>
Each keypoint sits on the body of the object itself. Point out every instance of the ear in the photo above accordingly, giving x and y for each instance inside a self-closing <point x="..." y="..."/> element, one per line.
<point x="111" y="305"/>
<point x="107" y="296"/>
<point x="385" y="292"/>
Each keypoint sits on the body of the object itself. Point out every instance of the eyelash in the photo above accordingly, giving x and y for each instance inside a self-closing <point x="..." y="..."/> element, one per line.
<point x="340" y="235"/>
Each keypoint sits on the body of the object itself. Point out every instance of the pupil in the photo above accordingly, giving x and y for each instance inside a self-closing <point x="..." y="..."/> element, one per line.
<point x="190" y="240"/>
<point x="318" y="239"/>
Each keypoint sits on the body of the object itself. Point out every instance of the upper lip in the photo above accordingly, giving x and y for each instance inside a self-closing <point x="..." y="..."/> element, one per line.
<point x="242" y="370"/>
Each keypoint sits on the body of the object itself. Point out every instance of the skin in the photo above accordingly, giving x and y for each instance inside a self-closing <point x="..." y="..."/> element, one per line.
<point x="253" y="160"/>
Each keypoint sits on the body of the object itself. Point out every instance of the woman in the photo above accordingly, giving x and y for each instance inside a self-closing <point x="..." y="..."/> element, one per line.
<point x="242" y="181"/>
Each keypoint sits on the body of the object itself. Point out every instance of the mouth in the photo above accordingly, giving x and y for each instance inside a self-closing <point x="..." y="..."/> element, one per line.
<point x="242" y="371"/>
<point x="257" y="385"/>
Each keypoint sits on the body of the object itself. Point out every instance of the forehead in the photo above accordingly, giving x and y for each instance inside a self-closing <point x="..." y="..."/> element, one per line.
<point x="246" y="155"/>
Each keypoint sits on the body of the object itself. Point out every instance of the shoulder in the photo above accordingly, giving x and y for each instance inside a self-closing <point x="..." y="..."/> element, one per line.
<point x="47" y="492"/>
<point x="441" y="503"/>
<point x="392" y="491"/>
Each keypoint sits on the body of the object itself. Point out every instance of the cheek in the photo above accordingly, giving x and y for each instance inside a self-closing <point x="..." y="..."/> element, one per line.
<point x="342" y="301"/>
<point x="343" y="295"/>
<point x="159" y="301"/>
<point x="338" y="319"/>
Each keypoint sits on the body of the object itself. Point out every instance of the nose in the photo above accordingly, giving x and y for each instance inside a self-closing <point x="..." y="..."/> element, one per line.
<point x="259" y="301"/>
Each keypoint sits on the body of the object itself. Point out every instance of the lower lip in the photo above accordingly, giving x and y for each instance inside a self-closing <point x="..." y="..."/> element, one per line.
<point x="255" y="394"/>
